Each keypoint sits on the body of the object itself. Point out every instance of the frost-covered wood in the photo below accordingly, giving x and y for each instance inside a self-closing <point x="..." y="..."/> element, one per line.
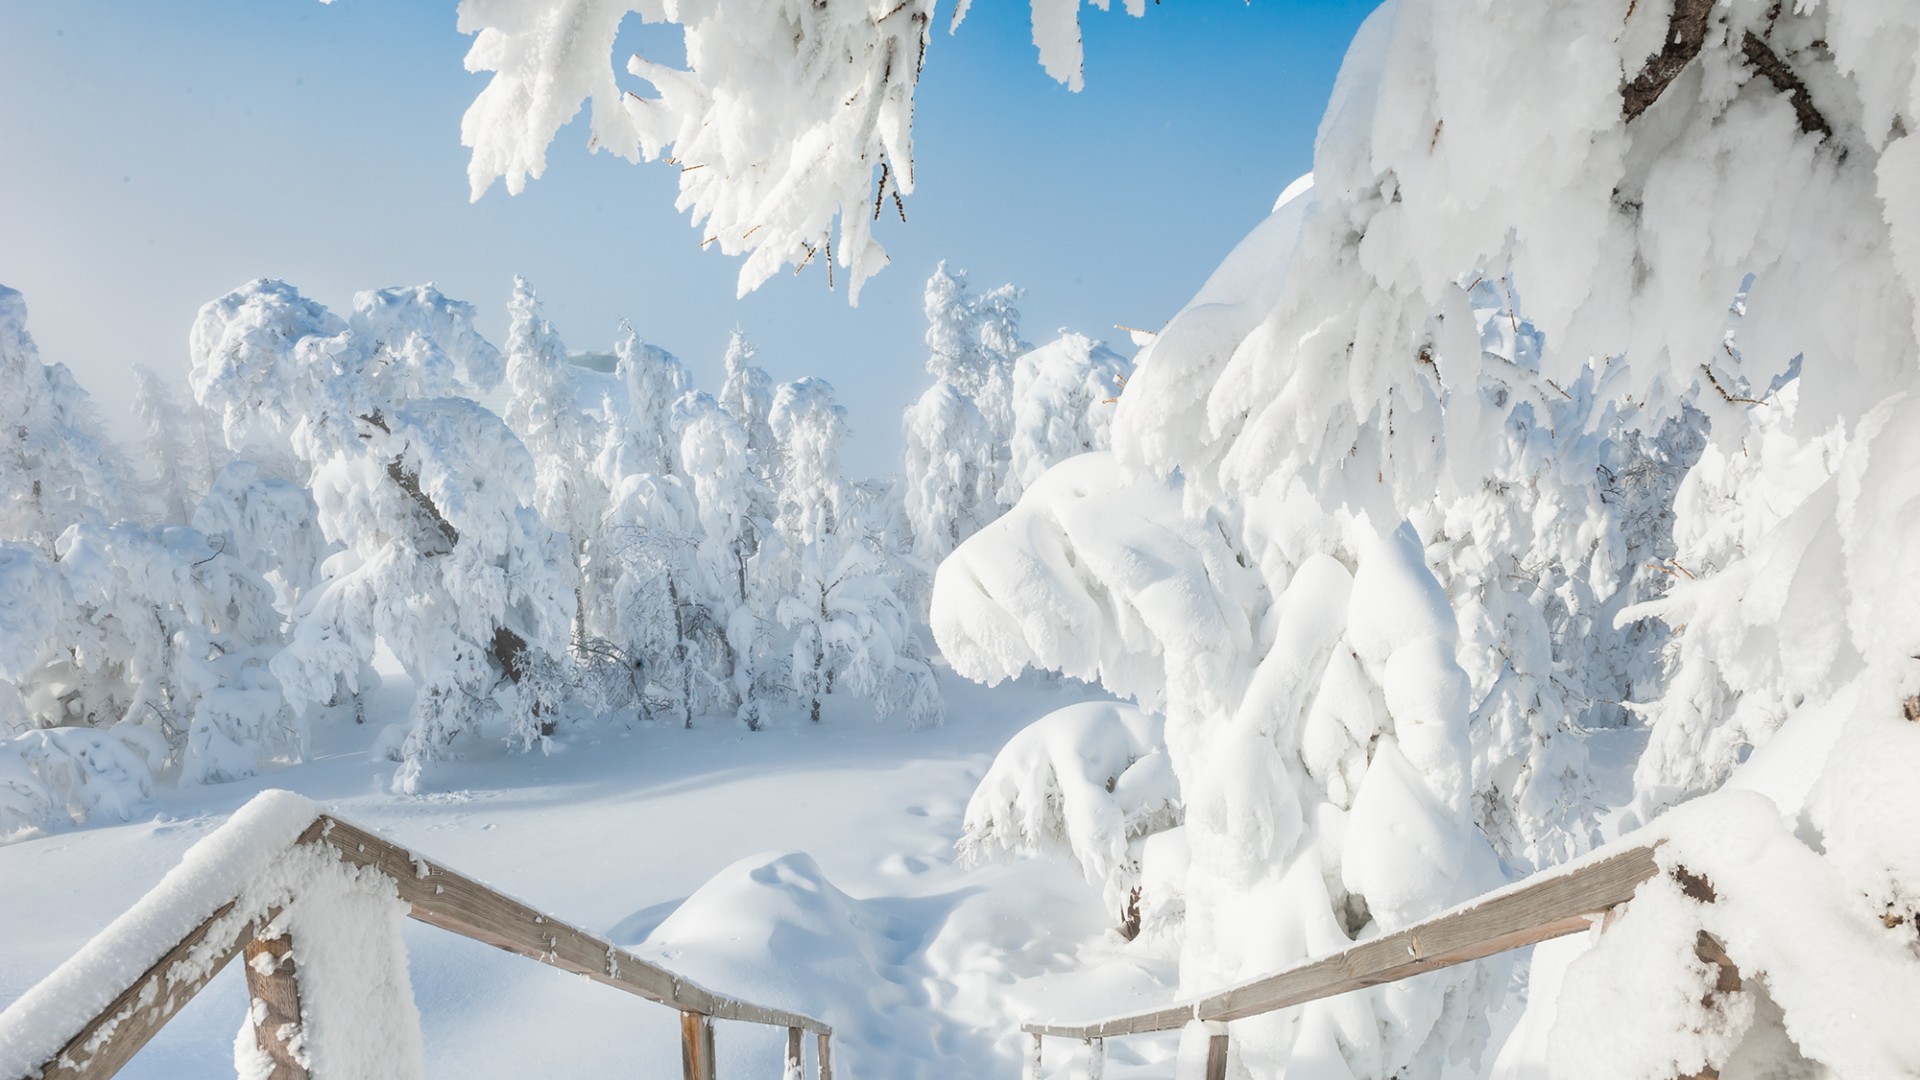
<point x="273" y="992"/>
<point x="1564" y="903"/>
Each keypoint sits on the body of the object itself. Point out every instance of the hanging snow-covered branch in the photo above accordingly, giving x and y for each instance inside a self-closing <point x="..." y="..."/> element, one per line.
<point x="789" y="120"/>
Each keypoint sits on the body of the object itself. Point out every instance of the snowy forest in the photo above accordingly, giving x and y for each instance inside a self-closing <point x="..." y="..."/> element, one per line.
<point x="1539" y="477"/>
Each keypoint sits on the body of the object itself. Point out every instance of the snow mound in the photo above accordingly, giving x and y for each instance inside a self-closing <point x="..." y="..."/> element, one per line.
<point x="772" y="929"/>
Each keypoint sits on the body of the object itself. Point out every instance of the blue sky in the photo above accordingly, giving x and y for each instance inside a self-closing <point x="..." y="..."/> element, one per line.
<point x="153" y="156"/>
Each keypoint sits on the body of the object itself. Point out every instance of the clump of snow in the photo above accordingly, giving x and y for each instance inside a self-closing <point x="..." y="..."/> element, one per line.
<point x="358" y="1017"/>
<point x="774" y="929"/>
<point x="1092" y="780"/>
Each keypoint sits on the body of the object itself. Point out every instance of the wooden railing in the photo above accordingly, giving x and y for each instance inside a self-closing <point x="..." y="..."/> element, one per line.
<point x="436" y="895"/>
<point x="1559" y="902"/>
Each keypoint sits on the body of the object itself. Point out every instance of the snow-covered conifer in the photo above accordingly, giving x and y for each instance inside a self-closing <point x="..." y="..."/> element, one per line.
<point x="839" y="597"/>
<point x="177" y="481"/>
<point x="1062" y="406"/>
<point x="543" y="409"/>
<point x="729" y="495"/>
<point x="947" y="463"/>
<point x="57" y="466"/>
<point x="747" y="395"/>
<point x="661" y="617"/>
<point x="653" y="380"/>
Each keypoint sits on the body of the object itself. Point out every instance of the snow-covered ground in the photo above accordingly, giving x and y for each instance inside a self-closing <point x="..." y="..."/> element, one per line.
<point x="805" y="867"/>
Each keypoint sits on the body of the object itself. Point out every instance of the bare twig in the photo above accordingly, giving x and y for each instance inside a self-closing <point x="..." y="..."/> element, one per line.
<point x="1768" y="63"/>
<point x="1731" y="399"/>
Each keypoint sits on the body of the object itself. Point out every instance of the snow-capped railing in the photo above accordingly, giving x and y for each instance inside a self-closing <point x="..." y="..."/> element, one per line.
<point x="232" y="893"/>
<point x="1550" y="904"/>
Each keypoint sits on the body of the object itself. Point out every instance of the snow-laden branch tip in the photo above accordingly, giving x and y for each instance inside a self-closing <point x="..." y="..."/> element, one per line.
<point x="791" y="123"/>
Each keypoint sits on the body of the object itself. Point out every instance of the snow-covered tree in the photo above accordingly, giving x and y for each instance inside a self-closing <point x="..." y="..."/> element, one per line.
<point x="747" y="395"/>
<point x="947" y="463"/>
<point x="1330" y="403"/>
<point x="177" y="481"/>
<point x="430" y="495"/>
<point x="57" y="466"/>
<point x="778" y="136"/>
<point x="839" y="599"/>
<point x="715" y="452"/>
<point x="661" y="617"/>
<point x="652" y="381"/>
<point x="956" y="438"/>
<point x="269" y="524"/>
<point x="1062" y="405"/>
<point x="543" y="409"/>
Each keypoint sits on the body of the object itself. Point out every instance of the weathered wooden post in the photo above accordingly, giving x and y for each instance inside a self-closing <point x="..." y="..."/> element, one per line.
<point x="1033" y="1060"/>
<point x="1096" y="1059"/>
<point x="696" y="1046"/>
<point x="1217" y="1054"/>
<point x="273" y="991"/>
<point x="1711" y="951"/>
<point x="826" y="1066"/>
<point x="793" y="1054"/>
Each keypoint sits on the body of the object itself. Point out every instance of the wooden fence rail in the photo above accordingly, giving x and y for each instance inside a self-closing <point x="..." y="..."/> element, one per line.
<point x="1561" y="902"/>
<point x="435" y="895"/>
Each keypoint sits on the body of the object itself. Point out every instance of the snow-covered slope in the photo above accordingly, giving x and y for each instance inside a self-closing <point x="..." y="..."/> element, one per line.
<point x="802" y="866"/>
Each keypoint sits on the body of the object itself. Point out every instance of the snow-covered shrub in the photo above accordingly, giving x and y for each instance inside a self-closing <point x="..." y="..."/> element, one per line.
<point x="1090" y="780"/>
<point x="180" y="636"/>
<point x="64" y="775"/>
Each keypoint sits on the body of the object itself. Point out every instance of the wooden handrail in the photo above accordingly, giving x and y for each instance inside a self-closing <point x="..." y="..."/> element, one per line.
<point x="441" y="897"/>
<point x="1560" y="902"/>
<point x="437" y="896"/>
